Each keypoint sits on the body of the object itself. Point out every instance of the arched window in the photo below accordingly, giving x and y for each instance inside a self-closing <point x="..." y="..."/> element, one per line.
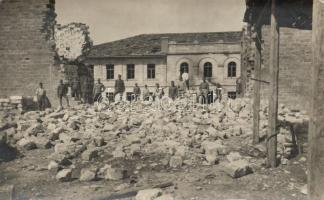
<point x="231" y="69"/>
<point x="208" y="70"/>
<point x="184" y="67"/>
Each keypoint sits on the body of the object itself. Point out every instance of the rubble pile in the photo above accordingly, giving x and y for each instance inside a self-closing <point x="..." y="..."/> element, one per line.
<point x="98" y="144"/>
<point x="293" y="124"/>
<point x="12" y="103"/>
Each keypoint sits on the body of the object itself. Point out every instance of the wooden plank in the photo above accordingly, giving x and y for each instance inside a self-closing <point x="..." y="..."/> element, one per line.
<point x="316" y="125"/>
<point x="256" y="92"/>
<point x="273" y="99"/>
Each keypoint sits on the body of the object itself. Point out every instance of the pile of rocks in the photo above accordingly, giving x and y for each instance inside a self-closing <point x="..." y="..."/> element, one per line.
<point x="82" y="135"/>
<point x="12" y="103"/>
<point x="293" y="125"/>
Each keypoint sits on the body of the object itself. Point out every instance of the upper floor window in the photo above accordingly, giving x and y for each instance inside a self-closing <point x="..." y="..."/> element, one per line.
<point x="231" y="69"/>
<point x="130" y="71"/>
<point x="151" y="71"/>
<point x="110" y="70"/>
<point x="208" y="70"/>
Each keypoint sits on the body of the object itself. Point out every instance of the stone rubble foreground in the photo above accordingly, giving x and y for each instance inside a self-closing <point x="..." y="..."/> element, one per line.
<point x="179" y="135"/>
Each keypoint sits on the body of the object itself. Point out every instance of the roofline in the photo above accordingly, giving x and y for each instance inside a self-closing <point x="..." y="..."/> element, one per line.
<point x="199" y="43"/>
<point x="128" y="56"/>
<point x="161" y="56"/>
<point x="166" y="35"/>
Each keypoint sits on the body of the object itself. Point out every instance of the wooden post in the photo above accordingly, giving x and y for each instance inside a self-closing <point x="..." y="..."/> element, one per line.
<point x="256" y="89"/>
<point x="316" y="125"/>
<point x="273" y="99"/>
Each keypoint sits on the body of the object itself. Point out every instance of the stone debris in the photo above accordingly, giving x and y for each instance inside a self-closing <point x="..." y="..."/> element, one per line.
<point x="82" y="135"/>
<point x="237" y="168"/>
<point x="148" y="194"/>
<point x="64" y="175"/>
<point x="89" y="154"/>
<point x="304" y="190"/>
<point x="176" y="162"/>
<point x="165" y="197"/>
<point x="53" y="167"/>
<point x="115" y="174"/>
<point x="87" y="175"/>
<point x="27" y="144"/>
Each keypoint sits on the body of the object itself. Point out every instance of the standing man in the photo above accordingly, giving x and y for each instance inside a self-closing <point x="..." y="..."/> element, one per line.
<point x="62" y="91"/>
<point x="185" y="79"/>
<point x="137" y="91"/>
<point x="97" y="90"/>
<point x="146" y="93"/>
<point x="173" y="91"/>
<point x="119" y="87"/>
<point x="204" y="89"/>
<point x="239" y="86"/>
<point x="219" y="90"/>
<point x="41" y="96"/>
<point x="158" y="93"/>
<point x="76" y="89"/>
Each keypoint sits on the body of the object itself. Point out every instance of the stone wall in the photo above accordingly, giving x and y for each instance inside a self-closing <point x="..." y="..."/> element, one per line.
<point x="295" y="66"/>
<point x="72" y="40"/>
<point x="27" y="49"/>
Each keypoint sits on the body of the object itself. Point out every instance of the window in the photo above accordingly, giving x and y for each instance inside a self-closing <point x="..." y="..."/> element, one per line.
<point x="151" y="71"/>
<point x="208" y="70"/>
<point x="110" y="71"/>
<point x="231" y="95"/>
<point x="130" y="71"/>
<point x="184" y="67"/>
<point x="231" y="70"/>
<point x="130" y="96"/>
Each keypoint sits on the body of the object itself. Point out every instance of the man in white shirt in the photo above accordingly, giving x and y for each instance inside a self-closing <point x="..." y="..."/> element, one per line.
<point x="185" y="79"/>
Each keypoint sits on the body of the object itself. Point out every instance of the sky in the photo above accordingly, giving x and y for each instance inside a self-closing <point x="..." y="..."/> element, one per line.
<point x="111" y="20"/>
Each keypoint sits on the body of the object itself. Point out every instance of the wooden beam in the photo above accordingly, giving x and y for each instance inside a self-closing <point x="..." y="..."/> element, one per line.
<point x="316" y="125"/>
<point x="273" y="99"/>
<point x="256" y="89"/>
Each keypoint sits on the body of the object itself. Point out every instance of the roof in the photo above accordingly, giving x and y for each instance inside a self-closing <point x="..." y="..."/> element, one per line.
<point x="150" y="44"/>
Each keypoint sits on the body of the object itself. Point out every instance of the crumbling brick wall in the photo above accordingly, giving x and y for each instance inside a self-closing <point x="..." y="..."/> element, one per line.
<point x="72" y="40"/>
<point x="27" y="48"/>
<point x="295" y="62"/>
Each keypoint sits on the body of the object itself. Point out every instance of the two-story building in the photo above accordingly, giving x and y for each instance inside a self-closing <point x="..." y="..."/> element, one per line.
<point x="161" y="58"/>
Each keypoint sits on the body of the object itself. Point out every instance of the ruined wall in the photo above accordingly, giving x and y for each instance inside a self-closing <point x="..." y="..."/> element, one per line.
<point x="295" y="66"/>
<point x="72" y="40"/>
<point x="27" y="54"/>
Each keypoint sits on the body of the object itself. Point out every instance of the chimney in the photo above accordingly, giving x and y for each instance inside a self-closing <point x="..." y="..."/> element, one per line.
<point x="164" y="44"/>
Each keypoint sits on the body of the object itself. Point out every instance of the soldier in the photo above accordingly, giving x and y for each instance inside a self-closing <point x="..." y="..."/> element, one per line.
<point x="41" y="95"/>
<point x="137" y="91"/>
<point x="62" y="91"/>
<point x="76" y="90"/>
<point x="97" y="90"/>
<point x="146" y="93"/>
<point x="158" y="93"/>
<point x="119" y="87"/>
<point x="173" y="91"/>
<point x="204" y="89"/>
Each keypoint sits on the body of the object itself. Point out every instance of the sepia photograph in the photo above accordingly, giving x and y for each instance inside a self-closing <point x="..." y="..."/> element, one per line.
<point x="162" y="100"/>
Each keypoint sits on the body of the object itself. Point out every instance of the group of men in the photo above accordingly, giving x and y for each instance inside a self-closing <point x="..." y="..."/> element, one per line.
<point x="99" y="88"/>
<point x="42" y="99"/>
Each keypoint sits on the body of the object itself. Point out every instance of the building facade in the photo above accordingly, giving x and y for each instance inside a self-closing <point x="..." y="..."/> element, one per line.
<point x="162" y="58"/>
